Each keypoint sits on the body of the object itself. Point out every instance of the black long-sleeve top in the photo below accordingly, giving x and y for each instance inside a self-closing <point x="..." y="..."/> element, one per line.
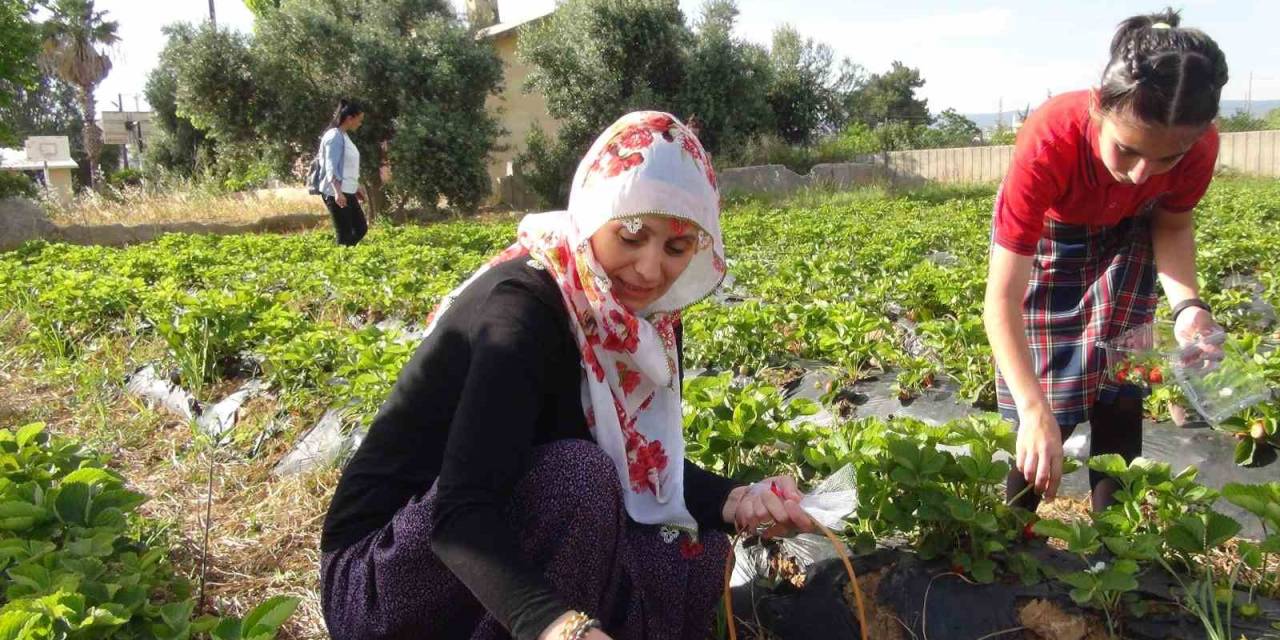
<point x="499" y="375"/>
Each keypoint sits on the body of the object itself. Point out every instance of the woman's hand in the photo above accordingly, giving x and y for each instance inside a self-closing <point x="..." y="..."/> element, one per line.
<point x="1040" y="451"/>
<point x="770" y="507"/>
<point x="361" y="196"/>
<point x="341" y="199"/>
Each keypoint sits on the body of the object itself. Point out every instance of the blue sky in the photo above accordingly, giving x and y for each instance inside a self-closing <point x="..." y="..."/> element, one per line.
<point x="973" y="55"/>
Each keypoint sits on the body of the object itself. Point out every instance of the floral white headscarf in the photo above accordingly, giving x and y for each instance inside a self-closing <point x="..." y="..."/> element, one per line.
<point x="645" y="164"/>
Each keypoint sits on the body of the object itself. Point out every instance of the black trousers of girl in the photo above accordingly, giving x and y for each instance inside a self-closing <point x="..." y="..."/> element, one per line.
<point x="348" y="222"/>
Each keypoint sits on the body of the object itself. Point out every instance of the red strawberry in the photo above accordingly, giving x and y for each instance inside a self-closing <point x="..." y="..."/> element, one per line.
<point x="1028" y="531"/>
<point x="955" y="568"/>
<point x="1155" y="376"/>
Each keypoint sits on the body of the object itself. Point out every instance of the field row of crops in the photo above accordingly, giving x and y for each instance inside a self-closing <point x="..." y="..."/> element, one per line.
<point x="864" y="283"/>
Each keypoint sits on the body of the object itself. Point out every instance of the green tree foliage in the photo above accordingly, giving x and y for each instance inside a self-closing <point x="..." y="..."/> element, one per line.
<point x="807" y="88"/>
<point x="262" y="7"/>
<point x="421" y="76"/>
<point x="595" y="60"/>
<point x="47" y="107"/>
<point x="175" y="143"/>
<point x="890" y="97"/>
<point x="950" y="129"/>
<point x="51" y="107"/>
<point x="725" y="80"/>
<point x="1242" y="120"/>
<point x="74" y="45"/>
<point x="1273" y="119"/>
<point x="18" y="49"/>
<point x="1003" y="136"/>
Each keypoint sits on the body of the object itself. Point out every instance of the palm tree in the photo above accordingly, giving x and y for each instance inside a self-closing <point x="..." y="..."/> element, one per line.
<point x="74" y="47"/>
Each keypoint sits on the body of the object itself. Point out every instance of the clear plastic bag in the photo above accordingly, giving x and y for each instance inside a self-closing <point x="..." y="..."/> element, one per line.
<point x="830" y="503"/>
<point x="1217" y="377"/>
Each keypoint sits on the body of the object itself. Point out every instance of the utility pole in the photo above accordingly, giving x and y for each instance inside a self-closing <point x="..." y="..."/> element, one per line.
<point x="1248" y="97"/>
<point x="1000" y="115"/>
<point x="124" y="148"/>
<point x="213" y="17"/>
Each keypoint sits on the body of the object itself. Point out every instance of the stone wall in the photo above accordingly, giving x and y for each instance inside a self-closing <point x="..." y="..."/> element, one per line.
<point x="22" y="220"/>
<point x="776" y="179"/>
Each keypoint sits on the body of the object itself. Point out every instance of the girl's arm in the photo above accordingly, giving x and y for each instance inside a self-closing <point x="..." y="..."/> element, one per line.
<point x="1039" y="438"/>
<point x="1173" y="238"/>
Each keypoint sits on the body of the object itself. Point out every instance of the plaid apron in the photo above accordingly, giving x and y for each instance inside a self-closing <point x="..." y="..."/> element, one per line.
<point x="1088" y="284"/>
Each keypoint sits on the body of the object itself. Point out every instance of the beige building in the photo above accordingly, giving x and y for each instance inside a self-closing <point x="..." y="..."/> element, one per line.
<point x="518" y="112"/>
<point x="47" y="160"/>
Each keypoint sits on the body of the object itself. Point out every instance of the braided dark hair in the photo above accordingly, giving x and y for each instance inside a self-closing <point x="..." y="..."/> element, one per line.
<point x="346" y="109"/>
<point x="1163" y="74"/>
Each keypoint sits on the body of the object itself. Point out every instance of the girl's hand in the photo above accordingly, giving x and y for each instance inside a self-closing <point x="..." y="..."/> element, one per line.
<point x="1040" y="451"/>
<point x="770" y="508"/>
<point x="1200" y="336"/>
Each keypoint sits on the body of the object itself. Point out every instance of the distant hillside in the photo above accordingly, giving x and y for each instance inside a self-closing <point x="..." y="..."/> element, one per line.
<point x="1260" y="108"/>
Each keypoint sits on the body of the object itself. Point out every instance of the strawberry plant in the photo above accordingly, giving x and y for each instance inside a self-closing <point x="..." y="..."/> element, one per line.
<point x="73" y="563"/>
<point x="742" y="431"/>
<point x="1255" y="431"/>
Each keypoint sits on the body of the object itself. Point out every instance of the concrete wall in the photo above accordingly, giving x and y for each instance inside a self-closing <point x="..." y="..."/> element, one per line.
<point x="60" y="183"/>
<point x="775" y="179"/>
<point x="517" y="111"/>
<point x="1255" y="153"/>
<point x="22" y="220"/>
<point x="962" y="165"/>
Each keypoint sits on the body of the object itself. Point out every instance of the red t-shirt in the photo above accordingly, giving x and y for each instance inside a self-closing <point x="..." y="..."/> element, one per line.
<point x="1057" y="171"/>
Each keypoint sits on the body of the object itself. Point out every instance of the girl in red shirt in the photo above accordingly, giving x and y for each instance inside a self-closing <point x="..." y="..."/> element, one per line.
<point x="1096" y="204"/>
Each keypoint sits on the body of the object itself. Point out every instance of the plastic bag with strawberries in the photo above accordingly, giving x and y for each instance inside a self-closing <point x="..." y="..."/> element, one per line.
<point x="787" y="558"/>
<point x="1217" y="377"/>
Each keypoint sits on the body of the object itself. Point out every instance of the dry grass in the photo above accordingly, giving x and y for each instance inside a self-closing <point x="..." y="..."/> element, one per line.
<point x="265" y="535"/>
<point x="134" y="206"/>
<point x="1066" y="509"/>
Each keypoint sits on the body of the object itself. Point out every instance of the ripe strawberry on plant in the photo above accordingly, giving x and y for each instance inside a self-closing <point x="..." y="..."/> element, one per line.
<point x="1155" y="376"/>
<point x="1028" y="530"/>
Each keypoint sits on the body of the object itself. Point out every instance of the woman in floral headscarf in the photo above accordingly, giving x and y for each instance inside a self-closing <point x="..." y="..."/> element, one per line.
<point x="527" y="477"/>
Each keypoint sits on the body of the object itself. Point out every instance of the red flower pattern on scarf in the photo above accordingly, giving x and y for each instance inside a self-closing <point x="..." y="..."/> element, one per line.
<point x="627" y="378"/>
<point x="622" y="332"/>
<point x="636" y="138"/>
<point x="646" y="458"/>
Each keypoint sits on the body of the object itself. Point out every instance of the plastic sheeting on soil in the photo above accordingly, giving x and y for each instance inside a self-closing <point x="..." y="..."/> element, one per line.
<point x="1211" y="452"/>
<point x="218" y="420"/>
<point x="145" y="383"/>
<point x="876" y="398"/>
<point x="931" y="602"/>
<point x="324" y="445"/>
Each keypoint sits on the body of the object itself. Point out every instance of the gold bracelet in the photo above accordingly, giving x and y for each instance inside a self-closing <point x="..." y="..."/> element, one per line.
<point x="577" y="626"/>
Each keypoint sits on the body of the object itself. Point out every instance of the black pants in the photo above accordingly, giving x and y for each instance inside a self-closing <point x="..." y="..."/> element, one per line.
<point x="348" y="221"/>
<point x="1115" y="427"/>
